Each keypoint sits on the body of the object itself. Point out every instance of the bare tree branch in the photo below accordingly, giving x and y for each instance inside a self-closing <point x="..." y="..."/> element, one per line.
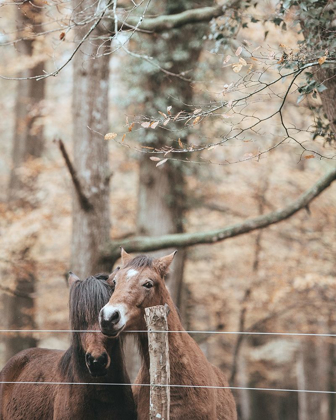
<point x="146" y="244"/>
<point x="84" y="201"/>
<point x="166" y="22"/>
<point x="17" y="293"/>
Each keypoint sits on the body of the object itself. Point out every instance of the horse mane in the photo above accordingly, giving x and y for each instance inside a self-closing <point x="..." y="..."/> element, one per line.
<point x="140" y="261"/>
<point x="86" y="299"/>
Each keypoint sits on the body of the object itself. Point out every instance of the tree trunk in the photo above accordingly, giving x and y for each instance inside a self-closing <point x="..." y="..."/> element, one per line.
<point x="327" y="76"/>
<point x="27" y="145"/>
<point x="161" y="209"/>
<point x="91" y="226"/>
<point x="162" y="192"/>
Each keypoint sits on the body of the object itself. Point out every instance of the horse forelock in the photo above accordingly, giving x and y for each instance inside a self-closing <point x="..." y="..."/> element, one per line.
<point x="141" y="261"/>
<point x="86" y="299"/>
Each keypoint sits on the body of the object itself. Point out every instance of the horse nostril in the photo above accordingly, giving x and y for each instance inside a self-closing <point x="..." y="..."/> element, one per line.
<point x="89" y="359"/>
<point x="115" y="317"/>
<point x="102" y="360"/>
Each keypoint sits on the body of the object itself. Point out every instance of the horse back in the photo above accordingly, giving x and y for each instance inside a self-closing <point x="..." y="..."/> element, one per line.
<point x="27" y="401"/>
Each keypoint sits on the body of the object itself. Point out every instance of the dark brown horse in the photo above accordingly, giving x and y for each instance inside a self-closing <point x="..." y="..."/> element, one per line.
<point x="140" y="284"/>
<point x="91" y="359"/>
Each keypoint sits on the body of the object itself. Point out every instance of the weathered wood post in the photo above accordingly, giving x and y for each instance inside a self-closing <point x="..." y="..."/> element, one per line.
<point x="159" y="403"/>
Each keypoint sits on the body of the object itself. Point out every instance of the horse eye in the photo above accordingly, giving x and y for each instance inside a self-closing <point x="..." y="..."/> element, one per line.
<point x="148" y="284"/>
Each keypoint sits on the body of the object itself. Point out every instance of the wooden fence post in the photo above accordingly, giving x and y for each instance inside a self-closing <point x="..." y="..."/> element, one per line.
<point x="156" y="320"/>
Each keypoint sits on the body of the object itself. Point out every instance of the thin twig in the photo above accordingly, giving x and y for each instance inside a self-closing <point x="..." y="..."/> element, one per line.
<point x="83" y="200"/>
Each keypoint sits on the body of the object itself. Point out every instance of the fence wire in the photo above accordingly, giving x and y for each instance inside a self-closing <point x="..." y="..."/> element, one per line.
<point x="239" y="388"/>
<point x="286" y="334"/>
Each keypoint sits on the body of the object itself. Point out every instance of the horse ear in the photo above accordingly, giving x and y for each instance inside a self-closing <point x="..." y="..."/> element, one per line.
<point x="163" y="263"/>
<point x="72" y="278"/>
<point x="112" y="275"/>
<point x="125" y="258"/>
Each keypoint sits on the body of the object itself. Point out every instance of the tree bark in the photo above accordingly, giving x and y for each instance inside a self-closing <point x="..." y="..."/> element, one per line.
<point x="91" y="225"/>
<point x="327" y="76"/>
<point x="28" y="131"/>
<point x="27" y="145"/>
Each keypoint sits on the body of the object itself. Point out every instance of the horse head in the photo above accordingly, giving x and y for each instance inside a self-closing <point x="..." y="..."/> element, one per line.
<point x="87" y="297"/>
<point x="137" y="284"/>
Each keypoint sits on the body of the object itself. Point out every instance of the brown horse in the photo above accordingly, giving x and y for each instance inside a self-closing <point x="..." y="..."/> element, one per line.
<point x="140" y="284"/>
<point x="92" y="360"/>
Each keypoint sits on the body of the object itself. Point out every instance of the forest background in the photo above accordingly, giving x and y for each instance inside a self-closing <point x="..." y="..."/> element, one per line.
<point x="206" y="127"/>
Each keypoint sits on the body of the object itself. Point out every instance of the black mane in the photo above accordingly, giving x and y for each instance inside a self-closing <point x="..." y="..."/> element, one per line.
<point x="140" y="261"/>
<point x="87" y="297"/>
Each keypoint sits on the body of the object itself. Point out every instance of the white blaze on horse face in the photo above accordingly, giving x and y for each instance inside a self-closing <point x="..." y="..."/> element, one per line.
<point x="131" y="273"/>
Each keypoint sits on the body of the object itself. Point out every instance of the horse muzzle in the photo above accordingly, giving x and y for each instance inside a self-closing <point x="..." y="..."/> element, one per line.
<point x="97" y="366"/>
<point x="112" y="320"/>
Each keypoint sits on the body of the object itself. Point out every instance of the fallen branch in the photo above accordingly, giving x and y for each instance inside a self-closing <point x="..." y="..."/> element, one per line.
<point x="147" y="244"/>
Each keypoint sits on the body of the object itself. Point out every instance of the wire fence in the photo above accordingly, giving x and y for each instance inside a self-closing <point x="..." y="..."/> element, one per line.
<point x="239" y="388"/>
<point x="286" y="334"/>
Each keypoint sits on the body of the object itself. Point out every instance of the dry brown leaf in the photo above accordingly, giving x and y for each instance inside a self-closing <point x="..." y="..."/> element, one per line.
<point x="197" y="111"/>
<point x="321" y="60"/>
<point x="131" y="127"/>
<point x="180" y="143"/>
<point x="110" y="136"/>
<point x="147" y="147"/>
<point x="196" y="120"/>
<point x="177" y="115"/>
<point x="154" y="125"/>
<point x="161" y="162"/>
<point x="163" y="114"/>
<point x="166" y="121"/>
<point x="123" y="138"/>
<point x="169" y="109"/>
<point x="62" y="36"/>
<point x="309" y="157"/>
<point x="155" y="159"/>
<point x="237" y="67"/>
<point x="227" y="59"/>
<point x="145" y="124"/>
<point x="239" y="51"/>
<point x="242" y="61"/>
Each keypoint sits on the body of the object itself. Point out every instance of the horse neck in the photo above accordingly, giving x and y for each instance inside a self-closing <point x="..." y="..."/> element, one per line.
<point x="178" y="342"/>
